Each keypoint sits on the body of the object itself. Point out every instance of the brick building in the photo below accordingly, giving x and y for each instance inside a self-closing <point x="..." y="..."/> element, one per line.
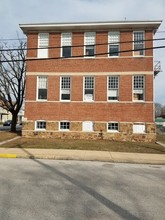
<point x="90" y="80"/>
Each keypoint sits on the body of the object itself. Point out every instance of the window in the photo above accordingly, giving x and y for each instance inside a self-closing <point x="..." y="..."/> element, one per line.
<point x="65" y="88"/>
<point x="113" y="126"/>
<point x="40" y="125"/>
<point x="89" y="44"/>
<point x="66" y="43"/>
<point x="64" y="125"/>
<point x="43" y="43"/>
<point x="139" y="128"/>
<point x="138" y="88"/>
<point x="139" y="43"/>
<point x="87" y="126"/>
<point x="113" y="88"/>
<point x="42" y="88"/>
<point x="89" y="88"/>
<point x="113" y="42"/>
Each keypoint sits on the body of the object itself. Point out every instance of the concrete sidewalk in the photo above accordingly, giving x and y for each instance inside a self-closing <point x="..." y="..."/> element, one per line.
<point x="84" y="155"/>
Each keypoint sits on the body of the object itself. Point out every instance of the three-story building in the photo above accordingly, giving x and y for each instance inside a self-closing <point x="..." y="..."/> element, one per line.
<point x="90" y="80"/>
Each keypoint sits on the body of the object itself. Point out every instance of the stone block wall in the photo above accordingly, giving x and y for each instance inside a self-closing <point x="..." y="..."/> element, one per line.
<point x="100" y="132"/>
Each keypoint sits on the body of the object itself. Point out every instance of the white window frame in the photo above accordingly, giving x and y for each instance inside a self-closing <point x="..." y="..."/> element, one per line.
<point x="86" y="43"/>
<point x="115" y="43"/>
<point x="136" y="128"/>
<point x="113" y="89"/>
<point x="63" y="129"/>
<point x="40" y="129"/>
<point x="63" y="100"/>
<point x="135" y="53"/>
<point x="37" y="93"/>
<point x="113" y="130"/>
<point x="43" y="53"/>
<point x="89" y="100"/>
<point x="87" y="123"/>
<point x="68" y="43"/>
<point x="138" y="90"/>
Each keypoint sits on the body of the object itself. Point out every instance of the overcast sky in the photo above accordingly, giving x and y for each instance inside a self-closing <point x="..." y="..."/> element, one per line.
<point x="15" y="12"/>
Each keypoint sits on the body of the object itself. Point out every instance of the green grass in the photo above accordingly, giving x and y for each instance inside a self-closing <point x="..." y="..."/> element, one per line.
<point x="99" y="145"/>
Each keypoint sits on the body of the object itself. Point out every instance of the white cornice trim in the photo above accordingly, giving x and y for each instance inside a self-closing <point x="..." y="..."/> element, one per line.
<point x="78" y="26"/>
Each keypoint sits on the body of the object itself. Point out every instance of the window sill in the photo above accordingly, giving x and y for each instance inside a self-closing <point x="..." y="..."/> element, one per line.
<point x="138" y="56"/>
<point x="41" y="100"/>
<point x="112" y="101"/>
<point x="40" y="129"/>
<point x="138" y="101"/>
<point x="88" y="101"/>
<point x="65" y="101"/>
<point x="89" y="57"/>
<point x="140" y="133"/>
<point x="113" y="56"/>
<point x="112" y="131"/>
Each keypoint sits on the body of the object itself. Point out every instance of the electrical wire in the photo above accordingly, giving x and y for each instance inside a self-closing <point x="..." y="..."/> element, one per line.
<point x="78" y="56"/>
<point x="82" y="45"/>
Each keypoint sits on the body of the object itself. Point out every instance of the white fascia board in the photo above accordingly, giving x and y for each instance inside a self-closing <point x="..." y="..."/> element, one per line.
<point x="89" y="25"/>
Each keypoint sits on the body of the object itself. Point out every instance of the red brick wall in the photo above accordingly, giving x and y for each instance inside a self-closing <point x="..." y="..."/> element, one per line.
<point x="88" y="64"/>
<point x="80" y="111"/>
<point x="125" y="88"/>
<point x="91" y="65"/>
<point x="90" y="111"/>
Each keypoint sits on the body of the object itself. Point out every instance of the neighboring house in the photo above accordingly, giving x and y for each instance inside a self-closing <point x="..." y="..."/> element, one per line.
<point x="160" y="121"/>
<point x="95" y="80"/>
<point x="4" y="115"/>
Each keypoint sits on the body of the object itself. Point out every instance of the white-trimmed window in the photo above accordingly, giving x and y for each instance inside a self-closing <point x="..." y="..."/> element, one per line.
<point x="113" y="43"/>
<point x="65" y="88"/>
<point x="40" y="125"/>
<point x="113" y="88"/>
<point x="113" y="126"/>
<point x="89" y="88"/>
<point x="139" y="128"/>
<point x="42" y="88"/>
<point x="89" y="42"/>
<point x="87" y="126"/>
<point x="66" y="44"/>
<point x="138" y="43"/>
<point x="43" y="44"/>
<point x="138" y="88"/>
<point x="64" y="125"/>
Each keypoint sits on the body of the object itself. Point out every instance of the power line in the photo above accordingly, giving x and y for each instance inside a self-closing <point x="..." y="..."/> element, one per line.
<point x="82" y="45"/>
<point x="78" y="56"/>
<point x="12" y="39"/>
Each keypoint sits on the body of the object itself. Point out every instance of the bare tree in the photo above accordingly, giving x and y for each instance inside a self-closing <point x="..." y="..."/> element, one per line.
<point x="12" y="79"/>
<point x="158" y="109"/>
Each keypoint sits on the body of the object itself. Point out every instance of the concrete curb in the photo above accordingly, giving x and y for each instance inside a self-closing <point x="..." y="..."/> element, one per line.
<point x="8" y="156"/>
<point x="80" y="155"/>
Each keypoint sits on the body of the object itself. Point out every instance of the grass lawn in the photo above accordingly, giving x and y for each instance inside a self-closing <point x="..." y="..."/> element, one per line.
<point x="161" y="138"/>
<point x="6" y="135"/>
<point x="98" y="145"/>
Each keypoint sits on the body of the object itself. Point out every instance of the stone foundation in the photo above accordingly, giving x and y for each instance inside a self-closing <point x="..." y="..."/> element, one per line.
<point x="125" y="132"/>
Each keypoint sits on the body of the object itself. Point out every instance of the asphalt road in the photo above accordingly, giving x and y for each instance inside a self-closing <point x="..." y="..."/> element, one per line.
<point x="7" y="128"/>
<point x="73" y="190"/>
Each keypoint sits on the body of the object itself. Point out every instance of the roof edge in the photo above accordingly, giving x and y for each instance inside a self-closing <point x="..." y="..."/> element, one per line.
<point x="90" y="25"/>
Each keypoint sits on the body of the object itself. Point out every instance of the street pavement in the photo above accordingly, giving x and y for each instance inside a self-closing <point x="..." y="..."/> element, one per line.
<point x="80" y="190"/>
